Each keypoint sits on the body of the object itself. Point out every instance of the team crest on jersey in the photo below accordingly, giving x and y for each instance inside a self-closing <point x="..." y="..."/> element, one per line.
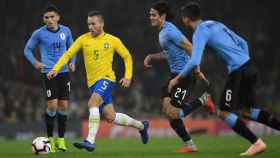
<point x="62" y="36"/>
<point x="106" y="45"/>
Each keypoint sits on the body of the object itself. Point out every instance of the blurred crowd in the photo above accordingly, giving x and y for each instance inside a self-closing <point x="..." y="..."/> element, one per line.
<point x="21" y="92"/>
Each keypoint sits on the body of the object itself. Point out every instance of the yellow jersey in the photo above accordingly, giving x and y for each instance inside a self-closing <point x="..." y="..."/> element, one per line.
<point x="98" y="55"/>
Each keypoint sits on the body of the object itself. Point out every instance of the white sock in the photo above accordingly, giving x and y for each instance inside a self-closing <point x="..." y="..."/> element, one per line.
<point x="125" y="120"/>
<point x="93" y="124"/>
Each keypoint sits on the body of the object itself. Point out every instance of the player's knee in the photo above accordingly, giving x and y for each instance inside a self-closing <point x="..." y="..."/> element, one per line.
<point x="110" y="118"/>
<point x="52" y="102"/>
<point x="223" y="114"/>
<point x="62" y="104"/>
<point x="52" y="105"/>
<point x="170" y="112"/>
<point x="245" y="112"/>
<point x="93" y="103"/>
<point x="95" y="100"/>
<point x="166" y="101"/>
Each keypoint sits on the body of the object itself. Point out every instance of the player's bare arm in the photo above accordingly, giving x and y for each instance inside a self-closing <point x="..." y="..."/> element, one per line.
<point x="187" y="45"/>
<point x="150" y="57"/>
<point x="72" y="67"/>
<point x="38" y="65"/>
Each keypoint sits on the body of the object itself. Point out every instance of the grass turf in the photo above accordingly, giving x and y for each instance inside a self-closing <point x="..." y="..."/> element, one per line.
<point x="209" y="147"/>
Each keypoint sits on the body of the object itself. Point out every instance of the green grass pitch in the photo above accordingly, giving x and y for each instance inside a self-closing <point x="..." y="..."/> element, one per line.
<point x="209" y="147"/>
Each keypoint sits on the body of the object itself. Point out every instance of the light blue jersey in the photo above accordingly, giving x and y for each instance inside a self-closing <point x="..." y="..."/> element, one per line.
<point x="170" y="39"/>
<point x="230" y="47"/>
<point x="51" y="44"/>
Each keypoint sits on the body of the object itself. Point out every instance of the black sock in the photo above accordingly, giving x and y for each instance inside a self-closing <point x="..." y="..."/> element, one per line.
<point x="189" y="107"/>
<point x="268" y="119"/>
<point x="244" y="131"/>
<point x="179" y="127"/>
<point x="49" y="121"/>
<point x="61" y="120"/>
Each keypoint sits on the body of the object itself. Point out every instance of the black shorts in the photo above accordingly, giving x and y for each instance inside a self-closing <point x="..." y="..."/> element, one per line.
<point x="240" y="88"/>
<point x="58" y="87"/>
<point x="181" y="92"/>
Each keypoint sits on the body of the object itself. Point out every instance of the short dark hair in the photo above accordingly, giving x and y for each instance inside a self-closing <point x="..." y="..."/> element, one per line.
<point x="50" y="8"/>
<point x="191" y="10"/>
<point x="163" y="8"/>
<point x="95" y="13"/>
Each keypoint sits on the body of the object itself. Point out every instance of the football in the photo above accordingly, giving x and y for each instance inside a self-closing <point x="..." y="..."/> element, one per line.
<point x="41" y="146"/>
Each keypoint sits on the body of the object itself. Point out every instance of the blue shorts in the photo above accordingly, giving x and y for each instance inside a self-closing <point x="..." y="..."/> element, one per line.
<point x="104" y="88"/>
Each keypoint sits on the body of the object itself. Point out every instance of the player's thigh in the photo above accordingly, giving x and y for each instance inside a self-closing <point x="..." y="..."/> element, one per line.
<point x="249" y="87"/>
<point x="230" y="97"/>
<point x="95" y="100"/>
<point x="109" y="112"/>
<point x="52" y="104"/>
<point x="63" y="86"/>
<point x="62" y="104"/>
<point x="101" y="93"/>
<point x="50" y="88"/>
<point x="168" y="109"/>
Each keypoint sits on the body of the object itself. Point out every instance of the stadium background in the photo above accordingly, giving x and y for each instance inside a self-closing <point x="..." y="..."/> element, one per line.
<point x="21" y="96"/>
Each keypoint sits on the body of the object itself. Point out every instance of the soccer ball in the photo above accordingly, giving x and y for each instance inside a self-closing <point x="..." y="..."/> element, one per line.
<point x="41" y="146"/>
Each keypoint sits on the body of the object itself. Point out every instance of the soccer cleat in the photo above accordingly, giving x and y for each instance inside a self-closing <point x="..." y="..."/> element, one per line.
<point x="144" y="132"/>
<point x="255" y="149"/>
<point x="60" y="144"/>
<point x="207" y="101"/>
<point x="210" y="105"/>
<point x="187" y="149"/>
<point x="85" y="145"/>
<point x="53" y="146"/>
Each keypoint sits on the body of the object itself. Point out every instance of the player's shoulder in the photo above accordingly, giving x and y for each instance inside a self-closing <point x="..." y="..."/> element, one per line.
<point x="38" y="31"/>
<point x="208" y="24"/>
<point x="85" y="36"/>
<point x="169" y="25"/>
<point x="170" y="28"/>
<point x="64" y="27"/>
<point x="112" y="38"/>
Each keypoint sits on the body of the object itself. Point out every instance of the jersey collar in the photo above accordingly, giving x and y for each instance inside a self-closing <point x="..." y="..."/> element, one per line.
<point x="100" y="36"/>
<point x="52" y="30"/>
<point x="164" y="25"/>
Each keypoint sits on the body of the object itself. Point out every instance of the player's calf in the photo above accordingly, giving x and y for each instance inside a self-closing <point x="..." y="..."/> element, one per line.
<point x="264" y="117"/>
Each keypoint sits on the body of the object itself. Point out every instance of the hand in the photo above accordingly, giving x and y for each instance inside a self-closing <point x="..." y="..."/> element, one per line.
<point x="39" y="66"/>
<point x="125" y="82"/>
<point x="72" y="67"/>
<point x="172" y="83"/>
<point x="147" y="61"/>
<point x="51" y="74"/>
<point x="201" y="76"/>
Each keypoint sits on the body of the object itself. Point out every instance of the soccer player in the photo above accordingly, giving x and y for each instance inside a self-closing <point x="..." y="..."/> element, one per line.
<point x="239" y="96"/>
<point x="53" y="39"/>
<point x="98" y="48"/>
<point x="177" y="50"/>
